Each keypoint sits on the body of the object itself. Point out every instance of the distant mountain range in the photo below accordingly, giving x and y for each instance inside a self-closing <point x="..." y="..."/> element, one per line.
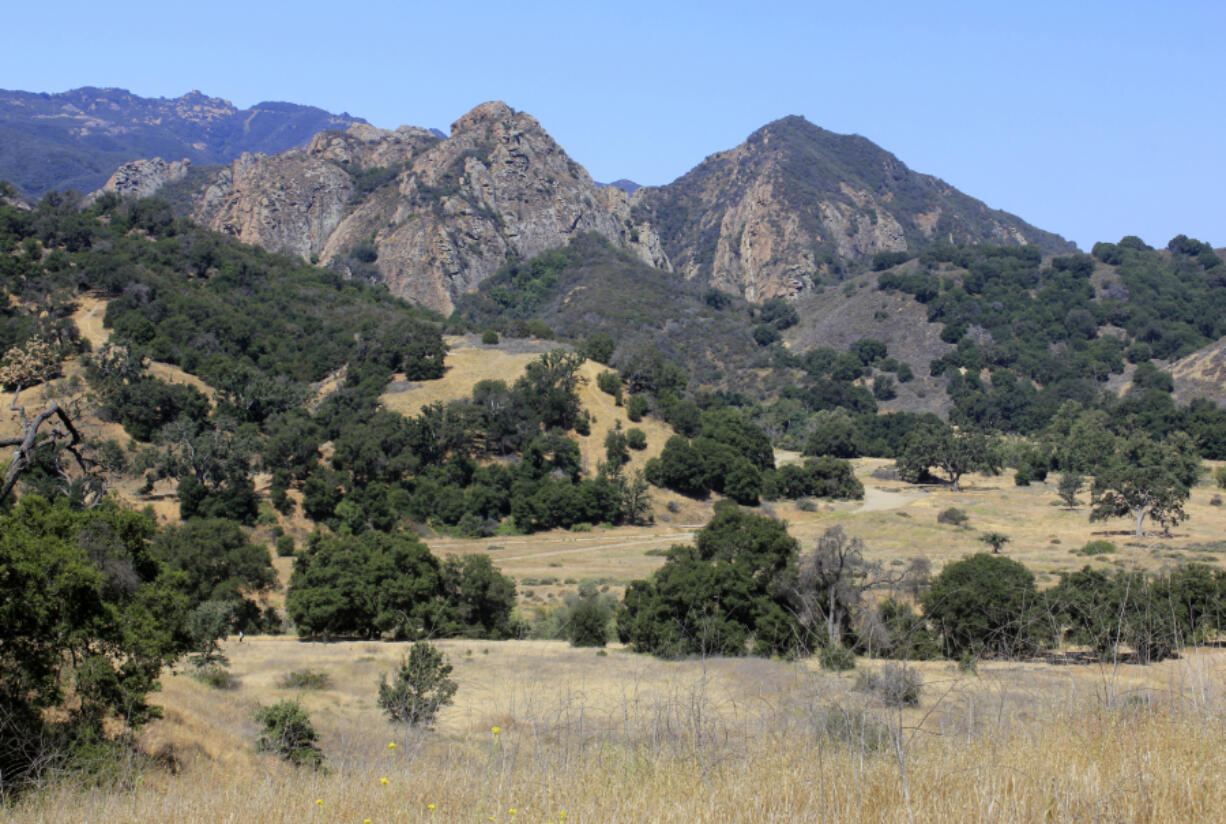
<point x="433" y="215"/>
<point x="76" y="139"/>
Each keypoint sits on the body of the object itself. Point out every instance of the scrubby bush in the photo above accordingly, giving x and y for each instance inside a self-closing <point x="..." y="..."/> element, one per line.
<point x="285" y="546"/>
<point x="837" y="659"/>
<point x="286" y="729"/>
<point x="953" y="516"/>
<point x="1097" y="548"/>
<point x="636" y="439"/>
<point x="305" y="680"/>
<point x="636" y="408"/>
<point x="420" y="688"/>
<point x="895" y="684"/>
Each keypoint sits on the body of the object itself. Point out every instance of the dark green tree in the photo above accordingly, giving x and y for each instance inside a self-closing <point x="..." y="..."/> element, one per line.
<point x="366" y="585"/>
<point x="722" y="596"/>
<point x="985" y="604"/>
<point x="90" y="620"/>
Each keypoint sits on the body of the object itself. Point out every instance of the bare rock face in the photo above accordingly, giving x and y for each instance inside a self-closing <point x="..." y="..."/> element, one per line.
<point x="142" y="178"/>
<point x="441" y="215"/>
<point x="795" y="202"/>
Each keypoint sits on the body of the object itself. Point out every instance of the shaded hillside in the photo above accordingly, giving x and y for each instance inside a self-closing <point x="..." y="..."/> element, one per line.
<point x="590" y="287"/>
<point x="75" y="139"/>
<point x="795" y="202"/>
<point x="838" y="316"/>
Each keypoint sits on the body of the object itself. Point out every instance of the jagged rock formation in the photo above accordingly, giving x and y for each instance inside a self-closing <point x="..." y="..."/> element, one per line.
<point x="143" y="178"/>
<point x="431" y="218"/>
<point x="76" y="139"/>
<point x="795" y="201"/>
<point x="434" y="217"/>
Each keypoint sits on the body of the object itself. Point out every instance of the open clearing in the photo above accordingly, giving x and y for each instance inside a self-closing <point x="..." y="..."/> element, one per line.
<point x="623" y="737"/>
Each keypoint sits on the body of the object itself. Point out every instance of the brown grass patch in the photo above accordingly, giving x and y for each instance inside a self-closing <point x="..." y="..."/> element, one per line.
<point x="629" y="738"/>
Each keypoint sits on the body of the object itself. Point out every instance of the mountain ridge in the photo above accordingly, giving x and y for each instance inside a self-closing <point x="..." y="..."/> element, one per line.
<point x="791" y="207"/>
<point x="794" y="203"/>
<point x="76" y="139"/>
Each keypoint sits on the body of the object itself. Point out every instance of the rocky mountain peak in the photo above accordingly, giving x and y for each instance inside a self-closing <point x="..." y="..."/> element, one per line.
<point x="483" y="115"/>
<point x="429" y="217"/>
<point x="794" y="203"/>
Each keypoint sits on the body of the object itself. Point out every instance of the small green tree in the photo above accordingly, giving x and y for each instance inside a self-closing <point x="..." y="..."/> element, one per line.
<point x="208" y="623"/>
<point x="420" y="687"/>
<point x="1070" y="485"/>
<point x="589" y="619"/>
<point x="995" y="540"/>
<point x="287" y="730"/>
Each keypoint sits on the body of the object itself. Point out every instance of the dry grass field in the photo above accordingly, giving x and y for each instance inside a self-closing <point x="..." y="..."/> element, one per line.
<point x="584" y="737"/>
<point x="896" y="521"/>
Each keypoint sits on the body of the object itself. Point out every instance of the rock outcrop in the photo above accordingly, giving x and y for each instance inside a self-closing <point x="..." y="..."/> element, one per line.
<point x="796" y="201"/>
<point x="143" y="178"/>
<point x="434" y="217"/>
<point x="431" y="218"/>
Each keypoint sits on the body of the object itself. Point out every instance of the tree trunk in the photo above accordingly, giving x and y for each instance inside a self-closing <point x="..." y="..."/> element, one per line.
<point x="1140" y="516"/>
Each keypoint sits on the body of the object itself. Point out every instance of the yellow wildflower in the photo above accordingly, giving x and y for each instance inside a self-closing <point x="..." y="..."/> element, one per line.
<point x="383" y="781"/>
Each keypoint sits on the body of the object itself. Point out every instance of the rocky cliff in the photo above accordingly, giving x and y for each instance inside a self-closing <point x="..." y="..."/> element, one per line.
<point x="795" y="201"/>
<point x="430" y="217"/>
<point x="433" y="217"/>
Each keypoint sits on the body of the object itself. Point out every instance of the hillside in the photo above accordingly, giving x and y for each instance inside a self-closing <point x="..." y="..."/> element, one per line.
<point x="795" y="203"/>
<point x="75" y="139"/>
<point x="433" y="218"/>
<point x="429" y="217"/>
<point x="591" y="287"/>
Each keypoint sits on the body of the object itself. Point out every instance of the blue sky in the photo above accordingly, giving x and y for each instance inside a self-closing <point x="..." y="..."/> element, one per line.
<point x="1091" y="119"/>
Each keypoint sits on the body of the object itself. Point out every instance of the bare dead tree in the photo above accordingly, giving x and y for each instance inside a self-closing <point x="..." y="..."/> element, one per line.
<point x="834" y="578"/>
<point x="50" y="426"/>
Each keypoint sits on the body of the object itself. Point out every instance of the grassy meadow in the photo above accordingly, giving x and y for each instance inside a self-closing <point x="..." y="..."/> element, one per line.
<point x="589" y="736"/>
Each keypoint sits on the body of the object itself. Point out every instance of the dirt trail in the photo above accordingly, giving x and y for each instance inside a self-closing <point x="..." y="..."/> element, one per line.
<point x="877" y="500"/>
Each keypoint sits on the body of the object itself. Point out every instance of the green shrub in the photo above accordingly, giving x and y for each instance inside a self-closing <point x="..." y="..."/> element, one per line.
<point x="636" y="439"/>
<point x="589" y="621"/>
<point x="215" y="675"/>
<point x="285" y="546"/>
<point x="953" y="516"/>
<point x="636" y="408"/>
<point x="837" y="659"/>
<point x="489" y="337"/>
<point x="611" y="384"/>
<point x="287" y="731"/>
<point x="1220" y="477"/>
<point x="420" y="688"/>
<point x="305" y="680"/>
<point x="1096" y="548"/>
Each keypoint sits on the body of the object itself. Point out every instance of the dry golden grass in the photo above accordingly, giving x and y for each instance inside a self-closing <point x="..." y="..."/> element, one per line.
<point x="896" y="521"/>
<point x="469" y="362"/>
<point x="628" y="738"/>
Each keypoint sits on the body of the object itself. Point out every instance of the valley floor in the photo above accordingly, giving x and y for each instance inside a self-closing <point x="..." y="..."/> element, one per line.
<point x="543" y="732"/>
